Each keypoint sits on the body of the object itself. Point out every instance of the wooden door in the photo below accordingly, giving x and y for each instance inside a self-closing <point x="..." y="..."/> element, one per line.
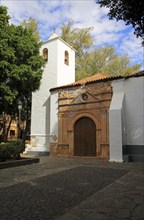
<point x="85" y="137"/>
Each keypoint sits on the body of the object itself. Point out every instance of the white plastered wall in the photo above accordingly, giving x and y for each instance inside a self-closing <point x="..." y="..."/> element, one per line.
<point x="40" y="123"/>
<point x="65" y="73"/>
<point x="116" y="122"/>
<point x="54" y="117"/>
<point x="126" y="115"/>
<point x="56" y="73"/>
<point x="134" y="111"/>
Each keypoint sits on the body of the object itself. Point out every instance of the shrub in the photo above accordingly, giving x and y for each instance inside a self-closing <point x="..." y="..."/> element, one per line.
<point x="10" y="150"/>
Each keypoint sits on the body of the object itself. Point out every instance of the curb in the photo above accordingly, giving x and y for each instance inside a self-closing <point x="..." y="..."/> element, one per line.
<point x="21" y="162"/>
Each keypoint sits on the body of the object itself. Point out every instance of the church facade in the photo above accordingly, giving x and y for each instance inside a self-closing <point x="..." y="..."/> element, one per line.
<point x="83" y="128"/>
<point x="100" y="116"/>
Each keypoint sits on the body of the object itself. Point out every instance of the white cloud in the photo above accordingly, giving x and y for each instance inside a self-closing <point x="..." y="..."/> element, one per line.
<point x="131" y="46"/>
<point x="86" y="13"/>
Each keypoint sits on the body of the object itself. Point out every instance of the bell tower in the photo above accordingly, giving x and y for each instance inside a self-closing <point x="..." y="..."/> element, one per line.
<point x="59" y="70"/>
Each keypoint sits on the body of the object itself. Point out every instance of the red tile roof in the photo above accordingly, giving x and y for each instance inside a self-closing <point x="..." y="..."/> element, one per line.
<point x="99" y="77"/>
<point x="95" y="77"/>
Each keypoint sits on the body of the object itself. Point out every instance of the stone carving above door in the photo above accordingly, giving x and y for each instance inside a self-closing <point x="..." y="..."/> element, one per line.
<point x="92" y="89"/>
<point x="84" y="97"/>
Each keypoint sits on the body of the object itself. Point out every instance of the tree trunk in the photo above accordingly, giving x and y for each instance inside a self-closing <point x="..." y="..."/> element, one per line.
<point x="8" y="128"/>
<point x="4" y="127"/>
<point x="26" y="127"/>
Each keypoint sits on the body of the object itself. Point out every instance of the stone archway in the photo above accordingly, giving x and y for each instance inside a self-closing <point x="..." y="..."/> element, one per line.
<point x="84" y="137"/>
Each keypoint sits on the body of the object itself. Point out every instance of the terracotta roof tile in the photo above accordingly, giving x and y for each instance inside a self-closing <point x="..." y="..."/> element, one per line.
<point x="97" y="78"/>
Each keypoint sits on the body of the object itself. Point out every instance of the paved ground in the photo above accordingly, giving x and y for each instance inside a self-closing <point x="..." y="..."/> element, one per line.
<point x="72" y="189"/>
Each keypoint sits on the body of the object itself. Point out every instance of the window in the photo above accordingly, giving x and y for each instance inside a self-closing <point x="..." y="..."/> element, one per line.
<point x="66" y="61"/>
<point x="12" y="133"/>
<point x="45" y="54"/>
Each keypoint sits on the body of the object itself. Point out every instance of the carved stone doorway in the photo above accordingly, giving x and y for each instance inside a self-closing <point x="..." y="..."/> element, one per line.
<point x="85" y="137"/>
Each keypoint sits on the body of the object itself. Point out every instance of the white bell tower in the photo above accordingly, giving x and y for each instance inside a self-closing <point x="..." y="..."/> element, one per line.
<point x="59" y="70"/>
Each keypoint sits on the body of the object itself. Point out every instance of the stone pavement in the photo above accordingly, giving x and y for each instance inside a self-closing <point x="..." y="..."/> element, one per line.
<point x="72" y="189"/>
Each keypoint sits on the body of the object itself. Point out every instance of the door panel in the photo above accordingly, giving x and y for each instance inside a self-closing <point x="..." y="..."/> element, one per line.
<point x="84" y="137"/>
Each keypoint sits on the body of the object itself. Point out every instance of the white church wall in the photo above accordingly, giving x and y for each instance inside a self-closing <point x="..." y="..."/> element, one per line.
<point x="124" y="131"/>
<point x="116" y="122"/>
<point x="66" y="73"/>
<point x="126" y="119"/>
<point x="55" y="74"/>
<point x="40" y="98"/>
<point x="54" y="117"/>
<point x="40" y="126"/>
<point x="134" y="99"/>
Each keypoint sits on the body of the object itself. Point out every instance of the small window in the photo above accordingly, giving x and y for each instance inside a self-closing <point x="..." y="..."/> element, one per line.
<point x="12" y="133"/>
<point x="66" y="61"/>
<point x="45" y="54"/>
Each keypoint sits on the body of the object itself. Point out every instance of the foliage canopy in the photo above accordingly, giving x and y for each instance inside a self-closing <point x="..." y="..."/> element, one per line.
<point x="32" y="25"/>
<point x="20" y="67"/>
<point x="20" y="62"/>
<point x="91" y="60"/>
<point x="130" y="11"/>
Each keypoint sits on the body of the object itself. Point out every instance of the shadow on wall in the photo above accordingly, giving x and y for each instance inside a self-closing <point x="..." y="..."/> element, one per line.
<point x="47" y="124"/>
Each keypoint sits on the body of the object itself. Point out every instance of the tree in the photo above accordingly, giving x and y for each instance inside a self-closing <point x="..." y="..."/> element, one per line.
<point x="80" y="39"/>
<point x="105" y="60"/>
<point x="130" y="11"/>
<point x="32" y="25"/>
<point x="20" y="65"/>
<point x="91" y="60"/>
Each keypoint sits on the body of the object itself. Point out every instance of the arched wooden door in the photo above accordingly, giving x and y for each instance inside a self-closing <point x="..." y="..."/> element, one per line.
<point x="84" y="137"/>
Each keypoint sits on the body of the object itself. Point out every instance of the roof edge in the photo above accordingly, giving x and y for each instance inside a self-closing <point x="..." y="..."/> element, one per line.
<point x="111" y="78"/>
<point x="59" y="38"/>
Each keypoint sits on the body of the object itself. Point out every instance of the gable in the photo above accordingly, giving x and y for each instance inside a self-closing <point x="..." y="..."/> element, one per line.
<point x="94" y="94"/>
<point x="84" y="97"/>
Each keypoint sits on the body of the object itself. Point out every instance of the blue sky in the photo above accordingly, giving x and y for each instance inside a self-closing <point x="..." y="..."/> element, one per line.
<point x="52" y="14"/>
